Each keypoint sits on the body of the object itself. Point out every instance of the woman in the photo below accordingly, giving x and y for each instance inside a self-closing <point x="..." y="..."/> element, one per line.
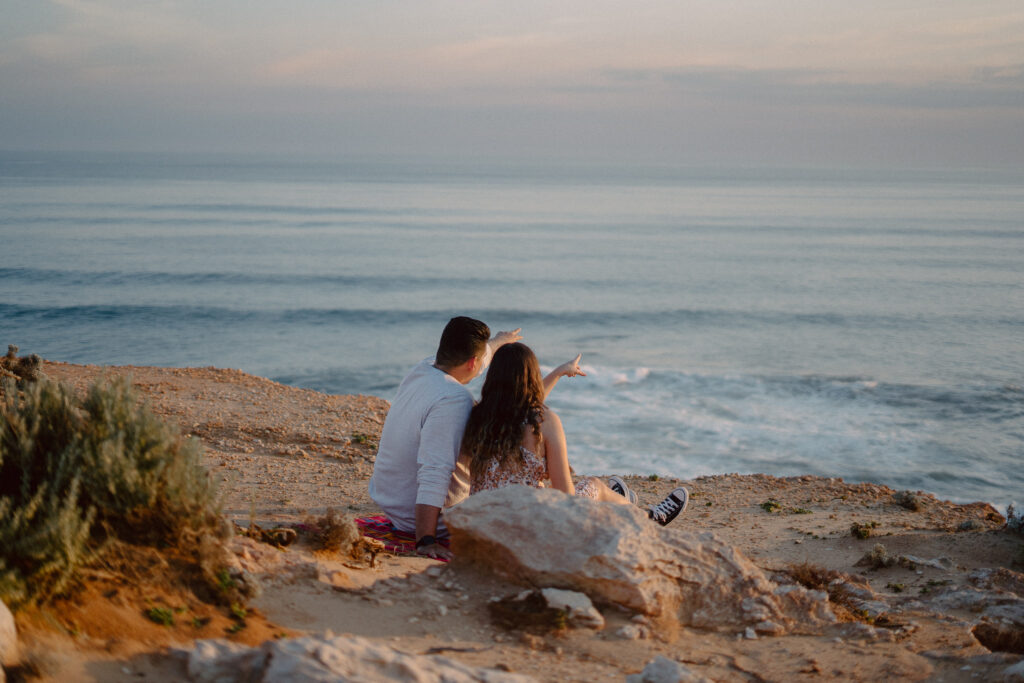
<point x="513" y="438"/>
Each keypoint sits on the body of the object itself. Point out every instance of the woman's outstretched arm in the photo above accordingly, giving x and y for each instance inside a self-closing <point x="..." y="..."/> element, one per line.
<point x="567" y="369"/>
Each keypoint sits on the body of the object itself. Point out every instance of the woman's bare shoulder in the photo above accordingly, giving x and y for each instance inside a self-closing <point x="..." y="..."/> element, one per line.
<point x="550" y="418"/>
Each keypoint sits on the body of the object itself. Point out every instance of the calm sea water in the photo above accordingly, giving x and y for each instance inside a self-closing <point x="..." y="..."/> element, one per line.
<point x="861" y="324"/>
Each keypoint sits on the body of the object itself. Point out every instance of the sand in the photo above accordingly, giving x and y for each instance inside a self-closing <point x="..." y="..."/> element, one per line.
<point x="286" y="453"/>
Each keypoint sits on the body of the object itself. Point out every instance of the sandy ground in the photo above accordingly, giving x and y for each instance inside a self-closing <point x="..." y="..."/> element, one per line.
<point x="286" y="453"/>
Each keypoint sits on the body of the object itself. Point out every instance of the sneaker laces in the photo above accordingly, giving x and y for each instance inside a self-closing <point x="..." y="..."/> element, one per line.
<point x="665" y="508"/>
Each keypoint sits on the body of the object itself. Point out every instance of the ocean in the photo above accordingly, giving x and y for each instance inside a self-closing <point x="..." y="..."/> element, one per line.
<point x="839" y="322"/>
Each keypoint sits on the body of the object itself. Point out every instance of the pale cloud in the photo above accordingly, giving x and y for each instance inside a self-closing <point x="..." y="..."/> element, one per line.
<point x="312" y="66"/>
<point x="447" y="45"/>
<point x="492" y="69"/>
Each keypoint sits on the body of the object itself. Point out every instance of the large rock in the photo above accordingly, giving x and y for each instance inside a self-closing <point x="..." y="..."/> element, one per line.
<point x="1000" y="578"/>
<point x="1015" y="673"/>
<point x="8" y="637"/>
<point x="615" y="554"/>
<point x="664" y="670"/>
<point x="328" y="659"/>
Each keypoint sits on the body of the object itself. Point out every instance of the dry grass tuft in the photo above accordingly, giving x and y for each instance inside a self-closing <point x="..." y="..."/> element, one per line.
<point x="337" y="533"/>
<point x="333" y="532"/>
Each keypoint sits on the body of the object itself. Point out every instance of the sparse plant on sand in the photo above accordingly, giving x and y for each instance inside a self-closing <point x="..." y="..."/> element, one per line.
<point x="1014" y="520"/>
<point x="77" y="475"/>
<point x="161" y="615"/>
<point x="1015" y="524"/>
<point x="877" y="558"/>
<point x="862" y="531"/>
<point x="338" y="533"/>
<point x="333" y="531"/>
<point x="915" y="501"/>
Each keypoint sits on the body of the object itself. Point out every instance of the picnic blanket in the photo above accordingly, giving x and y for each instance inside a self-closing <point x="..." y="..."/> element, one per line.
<point x="395" y="541"/>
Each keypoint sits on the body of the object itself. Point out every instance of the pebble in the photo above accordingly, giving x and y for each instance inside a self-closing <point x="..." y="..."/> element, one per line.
<point x="629" y="632"/>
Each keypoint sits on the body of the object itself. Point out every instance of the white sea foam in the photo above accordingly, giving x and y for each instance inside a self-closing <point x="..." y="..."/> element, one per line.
<point x="687" y="425"/>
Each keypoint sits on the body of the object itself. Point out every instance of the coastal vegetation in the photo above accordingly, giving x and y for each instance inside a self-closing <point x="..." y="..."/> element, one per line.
<point x="84" y="479"/>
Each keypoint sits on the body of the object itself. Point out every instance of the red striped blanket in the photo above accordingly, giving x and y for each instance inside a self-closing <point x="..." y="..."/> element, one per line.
<point x="398" y="542"/>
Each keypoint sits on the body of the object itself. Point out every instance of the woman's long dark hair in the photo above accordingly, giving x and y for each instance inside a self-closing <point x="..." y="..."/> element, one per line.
<point x="512" y="397"/>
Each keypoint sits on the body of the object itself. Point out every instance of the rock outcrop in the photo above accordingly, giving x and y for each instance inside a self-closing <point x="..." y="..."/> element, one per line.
<point x="616" y="555"/>
<point x="24" y="369"/>
<point x="327" y="658"/>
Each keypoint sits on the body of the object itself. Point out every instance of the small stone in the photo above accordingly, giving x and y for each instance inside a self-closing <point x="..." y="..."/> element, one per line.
<point x="749" y="633"/>
<point x="534" y="642"/>
<point x="581" y="612"/>
<point x="442" y="610"/>
<point x="769" y="628"/>
<point x="629" y="632"/>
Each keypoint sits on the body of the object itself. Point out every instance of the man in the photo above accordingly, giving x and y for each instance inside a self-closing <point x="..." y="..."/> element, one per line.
<point x="417" y="472"/>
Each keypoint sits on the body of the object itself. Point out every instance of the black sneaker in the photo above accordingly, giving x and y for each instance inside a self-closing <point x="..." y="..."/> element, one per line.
<point x="616" y="484"/>
<point x="668" y="509"/>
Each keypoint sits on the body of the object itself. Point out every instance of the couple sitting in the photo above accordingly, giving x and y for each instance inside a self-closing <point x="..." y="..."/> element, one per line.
<point x="437" y="447"/>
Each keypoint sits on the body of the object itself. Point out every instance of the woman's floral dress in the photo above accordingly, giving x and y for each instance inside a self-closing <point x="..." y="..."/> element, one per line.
<point x="530" y="470"/>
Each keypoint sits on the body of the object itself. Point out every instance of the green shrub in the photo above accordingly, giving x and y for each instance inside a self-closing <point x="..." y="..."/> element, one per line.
<point x="77" y="473"/>
<point x="161" y="615"/>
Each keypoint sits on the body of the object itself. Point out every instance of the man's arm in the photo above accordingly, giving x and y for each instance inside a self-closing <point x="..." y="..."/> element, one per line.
<point x="426" y="527"/>
<point x="567" y="369"/>
<point x="440" y="438"/>
<point x="499" y="340"/>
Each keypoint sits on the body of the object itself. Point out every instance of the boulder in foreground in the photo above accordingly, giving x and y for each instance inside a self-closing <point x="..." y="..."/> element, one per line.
<point x="616" y="555"/>
<point x="327" y="658"/>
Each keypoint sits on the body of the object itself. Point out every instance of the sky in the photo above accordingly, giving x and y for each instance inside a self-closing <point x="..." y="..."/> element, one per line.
<point x="909" y="83"/>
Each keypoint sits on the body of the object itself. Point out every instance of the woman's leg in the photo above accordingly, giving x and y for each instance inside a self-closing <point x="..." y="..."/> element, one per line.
<point x="592" y="487"/>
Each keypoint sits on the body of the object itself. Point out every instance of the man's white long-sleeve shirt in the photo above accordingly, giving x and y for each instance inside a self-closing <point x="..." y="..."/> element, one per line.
<point x="417" y="461"/>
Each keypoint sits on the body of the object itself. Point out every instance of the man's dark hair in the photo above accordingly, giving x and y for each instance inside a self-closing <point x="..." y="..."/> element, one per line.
<point x="463" y="338"/>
